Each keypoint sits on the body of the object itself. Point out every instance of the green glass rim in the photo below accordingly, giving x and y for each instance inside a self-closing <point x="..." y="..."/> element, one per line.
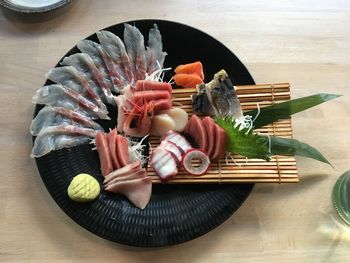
<point x="337" y="199"/>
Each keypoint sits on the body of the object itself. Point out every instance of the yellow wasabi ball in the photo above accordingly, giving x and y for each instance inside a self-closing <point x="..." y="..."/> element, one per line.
<point x="83" y="188"/>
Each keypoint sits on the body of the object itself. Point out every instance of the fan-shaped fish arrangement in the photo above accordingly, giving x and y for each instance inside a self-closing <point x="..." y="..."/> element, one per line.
<point x="128" y="74"/>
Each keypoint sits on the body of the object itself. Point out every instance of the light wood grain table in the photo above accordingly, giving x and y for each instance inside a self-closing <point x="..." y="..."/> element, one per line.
<point x="306" y="43"/>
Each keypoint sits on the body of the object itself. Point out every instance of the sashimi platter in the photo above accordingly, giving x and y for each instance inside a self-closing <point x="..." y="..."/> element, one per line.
<point x="151" y="133"/>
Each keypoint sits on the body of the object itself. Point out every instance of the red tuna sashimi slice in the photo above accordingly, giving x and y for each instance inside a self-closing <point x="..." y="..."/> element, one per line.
<point x="221" y="145"/>
<point x="149" y="95"/>
<point x="143" y="85"/>
<point x="113" y="148"/>
<point x="191" y="68"/>
<point x="164" y="104"/>
<point x="187" y="80"/>
<point x="198" y="133"/>
<point x="164" y="164"/>
<point x="103" y="152"/>
<point x="131" y="176"/>
<point x="126" y="170"/>
<point x="122" y="150"/>
<point x="138" y="191"/>
<point x="210" y="127"/>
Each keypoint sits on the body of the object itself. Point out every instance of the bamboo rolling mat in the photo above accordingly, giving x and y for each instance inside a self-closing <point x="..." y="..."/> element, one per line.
<point x="281" y="169"/>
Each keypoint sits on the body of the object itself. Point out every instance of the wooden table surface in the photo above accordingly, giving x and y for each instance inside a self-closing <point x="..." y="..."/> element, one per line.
<point x="306" y="44"/>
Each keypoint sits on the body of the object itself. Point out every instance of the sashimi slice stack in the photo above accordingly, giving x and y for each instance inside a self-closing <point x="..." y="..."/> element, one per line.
<point x="113" y="150"/>
<point x="131" y="181"/>
<point x="189" y="75"/>
<point x="209" y="136"/>
<point x="143" y="95"/>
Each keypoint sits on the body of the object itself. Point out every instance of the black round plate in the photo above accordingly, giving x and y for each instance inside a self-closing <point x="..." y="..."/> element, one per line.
<point x="176" y="213"/>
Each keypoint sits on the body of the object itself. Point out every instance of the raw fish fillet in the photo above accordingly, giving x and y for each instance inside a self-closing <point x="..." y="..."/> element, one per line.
<point x="54" y="138"/>
<point x="72" y="78"/>
<point x="53" y="116"/>
<point x="197" y="131"/>
<point x="155" y="54"/>
<point x="220" y="147"/>
<point x="102" y="61"/>
<point x="141" y="173"/>
<point x="217" y="98"/>
<point x="113" y="149"/>
<point x="143" y="85"/>
<point x="210" y="127"/>
<point x="115" y="48"/>
<point x="60" y="96"/>
<point x="138" y="191"/>
<point x="102" y="147"/>
<point x="135" y="46"/>
<point x="124" y="171"/>
<point x="85" y="65"/>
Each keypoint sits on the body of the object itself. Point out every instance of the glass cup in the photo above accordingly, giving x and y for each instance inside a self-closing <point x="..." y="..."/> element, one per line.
<point x="341" y="197"/>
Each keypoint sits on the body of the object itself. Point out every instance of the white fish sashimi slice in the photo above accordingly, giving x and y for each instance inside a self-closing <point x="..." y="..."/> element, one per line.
<point x="72" y="78"/>
<point x="53" y="116"/>
<point x="155" y="53"/>
<point x="135" y="46"/>
<point x="84" y="64"/>
<point x="60" y="96"/>
<point x="138" y="191"/>
<point x="115" y="48"/>
<point x="54" y="138"/>
<point x="94" y="50"/>
<point x="102" y="61"/>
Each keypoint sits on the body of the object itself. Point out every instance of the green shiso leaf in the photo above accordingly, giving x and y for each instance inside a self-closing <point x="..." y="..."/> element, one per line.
<point x="252" y="145"/>
<point x="284" y="146"/>
<point x="243" y="142"/>
<point x="283" y="110"/>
